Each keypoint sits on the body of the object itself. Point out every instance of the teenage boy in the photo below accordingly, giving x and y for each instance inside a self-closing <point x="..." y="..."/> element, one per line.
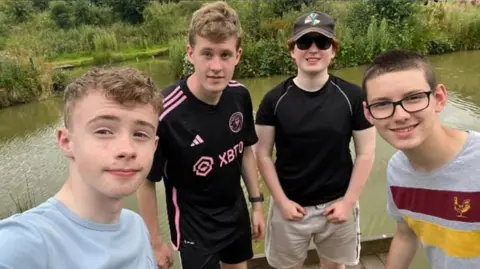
<point x="207" y="133"/>
<point x="314" y="183"/>
<point x="109" y="139"/>
<point x="433" y="181"/>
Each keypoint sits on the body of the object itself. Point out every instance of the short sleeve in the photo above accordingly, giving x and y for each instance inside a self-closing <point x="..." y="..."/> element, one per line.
<point x="250" y="134"/>
<point x="22" y="245"/>
<point x="359" y="121"/>
<point x="266" y="110"/>
<point x="159" y="157"/>
<point x="392" y="209"/>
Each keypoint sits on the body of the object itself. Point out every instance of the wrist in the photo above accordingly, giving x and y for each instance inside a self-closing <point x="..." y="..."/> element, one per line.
<point x="349" y="200"/>
<point x="257" y="207"/>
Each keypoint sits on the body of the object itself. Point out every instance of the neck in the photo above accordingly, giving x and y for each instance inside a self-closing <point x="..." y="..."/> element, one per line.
<point x="311" y="82"/>
<point x="87" y="203"/>
<point x="211" y="98"/>
<point x="438" y="149"/>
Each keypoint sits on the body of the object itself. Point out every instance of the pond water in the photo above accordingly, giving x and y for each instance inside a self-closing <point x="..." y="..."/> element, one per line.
<point x="30" y="158"/>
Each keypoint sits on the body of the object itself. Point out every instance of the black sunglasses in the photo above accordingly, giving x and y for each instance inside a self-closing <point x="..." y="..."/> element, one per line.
<point x="305" y="42"/>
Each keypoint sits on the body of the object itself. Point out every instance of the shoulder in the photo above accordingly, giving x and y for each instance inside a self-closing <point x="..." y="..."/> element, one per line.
<point x="236" y="88"/>
<point x="23" y="234"/>
<point x="397" y="163"/>
<point x="133" y="221"/>
<point x="171" y="88"/>
<point x="273" y="95"/>
<point x="173" y="97"/>
<point x="350" y="89"/>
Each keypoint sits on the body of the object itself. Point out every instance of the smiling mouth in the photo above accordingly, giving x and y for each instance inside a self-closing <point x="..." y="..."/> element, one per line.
<point x="214" y="77"/>
<point x="405" y="129"/>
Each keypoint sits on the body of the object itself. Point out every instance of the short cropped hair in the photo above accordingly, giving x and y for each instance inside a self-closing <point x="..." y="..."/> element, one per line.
<point x="216" y="22"/>
<point x="399" y="60"/>
<point x="122" y="85"/>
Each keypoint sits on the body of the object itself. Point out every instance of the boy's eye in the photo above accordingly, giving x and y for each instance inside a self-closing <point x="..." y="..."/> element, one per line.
<point x="142" y="135"/>
<point x="103" y="131"/>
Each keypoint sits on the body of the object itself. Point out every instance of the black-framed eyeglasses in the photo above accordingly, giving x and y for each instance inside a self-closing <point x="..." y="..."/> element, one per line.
<point x="412" y="103"/>
<point x="306" y="41"/>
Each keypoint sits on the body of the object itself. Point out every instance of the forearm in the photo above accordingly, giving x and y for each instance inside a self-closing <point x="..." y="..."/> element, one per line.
<point x="270" y="176"/>
<point x="249" y="174"/>
<point x="361" y="170"/>
<point x="147" y="204"/>
<point x="402" y="251"/>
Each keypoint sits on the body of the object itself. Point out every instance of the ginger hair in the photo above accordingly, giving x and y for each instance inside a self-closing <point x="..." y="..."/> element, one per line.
<point x="122" y="85"/>
<point x="215" y="21"/>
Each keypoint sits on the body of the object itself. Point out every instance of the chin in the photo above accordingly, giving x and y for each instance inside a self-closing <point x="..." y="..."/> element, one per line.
<point x="313" y="69"/>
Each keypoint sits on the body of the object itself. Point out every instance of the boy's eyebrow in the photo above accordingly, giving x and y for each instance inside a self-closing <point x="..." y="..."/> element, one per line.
<point x="115" y="118"/>
<point x="382" y="99"/>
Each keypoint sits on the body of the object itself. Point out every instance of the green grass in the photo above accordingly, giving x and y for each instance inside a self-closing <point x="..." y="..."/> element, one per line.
<point x="97" y="58"/>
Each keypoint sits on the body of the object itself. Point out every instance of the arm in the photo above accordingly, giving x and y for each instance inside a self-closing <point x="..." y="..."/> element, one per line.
<point x="403" y="248"/>
<point x="263" y="151"/>
<point x="266" y="135"/>
<point x="364" y="141"/>
<point x="249" y="175"/>
<point x="147" y="205"/>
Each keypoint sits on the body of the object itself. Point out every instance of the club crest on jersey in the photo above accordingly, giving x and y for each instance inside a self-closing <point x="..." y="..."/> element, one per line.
<point x="236" y="122"/>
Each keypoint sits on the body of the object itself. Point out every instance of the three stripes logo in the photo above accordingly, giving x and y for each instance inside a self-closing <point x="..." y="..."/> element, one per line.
<point x="196" y="141"/>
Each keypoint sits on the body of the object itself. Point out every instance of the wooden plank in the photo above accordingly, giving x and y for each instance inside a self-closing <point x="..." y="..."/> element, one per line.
<point x="383" y="257"/>
<point x="372" y="262"/>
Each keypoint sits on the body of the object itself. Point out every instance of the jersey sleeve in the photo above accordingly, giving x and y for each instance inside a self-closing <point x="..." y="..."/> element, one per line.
<point x="22" y="245"/>
<point x="250" y="135"/>
<point x="359" y="121"/>
<point x="392" y="209"/>
<point x="159" y="159"/>
<point x="266" y="110"/>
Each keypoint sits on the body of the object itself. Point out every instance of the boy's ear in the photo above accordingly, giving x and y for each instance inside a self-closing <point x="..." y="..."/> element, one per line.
<point x="64" y="141"/>
<point x="189" y="52"/>
<point x="367" y="114"/>
<point x="239" y="55"/>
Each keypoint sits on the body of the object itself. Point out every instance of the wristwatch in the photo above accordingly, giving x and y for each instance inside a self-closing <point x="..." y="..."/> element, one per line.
<point x="256" y="199"/>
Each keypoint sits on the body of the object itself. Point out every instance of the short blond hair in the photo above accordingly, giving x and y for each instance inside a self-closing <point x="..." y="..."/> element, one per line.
<point x="216" y="22"/>
<point x="122" y="85"/>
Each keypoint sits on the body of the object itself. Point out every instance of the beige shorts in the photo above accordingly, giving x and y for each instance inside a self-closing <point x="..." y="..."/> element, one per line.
<point x="287" y="242"/>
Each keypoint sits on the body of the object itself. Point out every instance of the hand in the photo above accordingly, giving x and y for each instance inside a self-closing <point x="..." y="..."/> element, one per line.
<point x="339" y="211"/>
<point x="291" y="210"/>
<point x="163" y="255"/>
<point x="258" y="223"/>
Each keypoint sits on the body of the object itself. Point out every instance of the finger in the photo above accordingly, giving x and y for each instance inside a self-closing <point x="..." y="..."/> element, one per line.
<point x="329" y="210"/>
<point x="300" y="209"/>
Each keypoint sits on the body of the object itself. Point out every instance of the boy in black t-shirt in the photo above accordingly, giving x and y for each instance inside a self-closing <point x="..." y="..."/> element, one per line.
<point x="315" y="185"/>
<point x="207" y="132"/>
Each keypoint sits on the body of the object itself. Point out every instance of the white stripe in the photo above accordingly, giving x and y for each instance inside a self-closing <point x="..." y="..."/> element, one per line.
<point x="346" y="97"/>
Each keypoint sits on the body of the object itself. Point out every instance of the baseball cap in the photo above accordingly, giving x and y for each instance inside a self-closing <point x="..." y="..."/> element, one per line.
<point x="317" y="22"/>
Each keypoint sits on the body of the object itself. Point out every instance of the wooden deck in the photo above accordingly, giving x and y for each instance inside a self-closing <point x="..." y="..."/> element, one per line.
<point x="373" y="255"/>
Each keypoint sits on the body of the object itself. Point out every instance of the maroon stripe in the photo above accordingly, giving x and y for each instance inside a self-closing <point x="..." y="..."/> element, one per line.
<point x="449" y="205"/>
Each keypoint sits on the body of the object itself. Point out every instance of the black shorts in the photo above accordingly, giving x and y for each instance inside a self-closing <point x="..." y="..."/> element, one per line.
<point x="238" y="251"/>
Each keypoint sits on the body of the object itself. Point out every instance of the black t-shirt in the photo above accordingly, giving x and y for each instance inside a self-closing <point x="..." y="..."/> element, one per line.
<point x="199" y="157"/>
<point x="312" y="135"/>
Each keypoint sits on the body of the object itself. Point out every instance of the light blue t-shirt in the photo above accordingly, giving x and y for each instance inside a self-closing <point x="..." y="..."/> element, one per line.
<point x="50" y="236"/>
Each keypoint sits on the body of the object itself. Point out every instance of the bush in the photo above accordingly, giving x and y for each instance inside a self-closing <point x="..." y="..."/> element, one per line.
<point x="23" y="80"/>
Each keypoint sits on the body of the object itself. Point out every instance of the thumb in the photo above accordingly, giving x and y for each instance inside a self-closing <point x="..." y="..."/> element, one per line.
<point x="329" y="210"/>
<point x="300" y="209"/>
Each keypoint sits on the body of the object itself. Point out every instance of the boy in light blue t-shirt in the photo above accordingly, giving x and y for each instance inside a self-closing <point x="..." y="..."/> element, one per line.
<point x="111" y="117"/>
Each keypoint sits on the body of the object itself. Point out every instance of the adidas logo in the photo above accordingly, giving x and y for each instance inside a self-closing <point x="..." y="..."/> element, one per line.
<point x="196" y="141"/>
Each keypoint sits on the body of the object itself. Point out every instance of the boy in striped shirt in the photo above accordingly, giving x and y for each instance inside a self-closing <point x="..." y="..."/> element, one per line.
<point x="433" y="181"/>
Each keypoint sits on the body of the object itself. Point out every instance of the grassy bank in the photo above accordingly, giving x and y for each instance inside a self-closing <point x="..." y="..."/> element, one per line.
<point x="82" y="32"/>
